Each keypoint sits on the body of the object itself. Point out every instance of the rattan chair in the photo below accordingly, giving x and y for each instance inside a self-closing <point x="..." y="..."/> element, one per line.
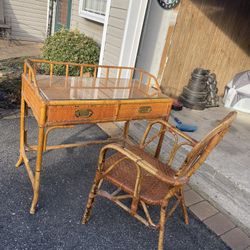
<point x="145" y="179"/>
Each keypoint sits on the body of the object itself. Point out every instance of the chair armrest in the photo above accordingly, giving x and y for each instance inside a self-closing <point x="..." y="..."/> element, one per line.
<point x="142" y="164"/>
<point x="171" y="129"/>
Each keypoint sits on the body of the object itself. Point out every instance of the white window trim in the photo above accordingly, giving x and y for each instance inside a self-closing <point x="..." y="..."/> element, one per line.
<point x="131" y="37"/>
<point x="104" y="36"/>
<point x="47" y="21"/>
<point x="89" y="15"/>
<point x="104" y="33"/>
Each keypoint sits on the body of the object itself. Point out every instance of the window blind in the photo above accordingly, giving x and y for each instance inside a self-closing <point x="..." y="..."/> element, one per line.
<point x="95" y="6"/>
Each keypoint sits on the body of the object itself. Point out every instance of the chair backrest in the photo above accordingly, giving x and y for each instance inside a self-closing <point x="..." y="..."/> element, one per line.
<point x="201" y="150"/>
<point x="1" y="12"/>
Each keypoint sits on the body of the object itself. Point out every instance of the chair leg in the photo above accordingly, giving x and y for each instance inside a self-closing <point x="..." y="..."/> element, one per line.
<point x="91" y="200"/>
<point x="163" y="216"/>
<point x="184" y="208"/>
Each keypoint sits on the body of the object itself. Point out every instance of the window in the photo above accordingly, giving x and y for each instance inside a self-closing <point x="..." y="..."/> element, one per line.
<point x="93" y="9"/>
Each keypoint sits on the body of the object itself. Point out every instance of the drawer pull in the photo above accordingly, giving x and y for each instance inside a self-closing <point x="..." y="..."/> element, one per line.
<point x="145" y="109"/>
<point x="83" y="113"/>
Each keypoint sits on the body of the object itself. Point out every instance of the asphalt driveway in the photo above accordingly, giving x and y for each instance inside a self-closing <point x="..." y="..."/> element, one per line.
<point x="66" y="180"/>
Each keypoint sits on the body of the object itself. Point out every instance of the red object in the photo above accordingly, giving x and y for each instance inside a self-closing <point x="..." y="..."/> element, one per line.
<point x="177" y="106"/>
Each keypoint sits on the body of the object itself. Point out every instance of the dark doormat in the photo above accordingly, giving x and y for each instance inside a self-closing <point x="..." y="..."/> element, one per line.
<point x="66" y="180"/>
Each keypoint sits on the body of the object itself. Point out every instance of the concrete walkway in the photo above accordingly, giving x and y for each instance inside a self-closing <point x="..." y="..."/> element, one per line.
<point x="18" y="49"/>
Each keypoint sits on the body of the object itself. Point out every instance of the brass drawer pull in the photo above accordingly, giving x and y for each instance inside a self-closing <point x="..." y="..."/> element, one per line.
<point x="83" y="113"/>
<point x="145" y="109"/>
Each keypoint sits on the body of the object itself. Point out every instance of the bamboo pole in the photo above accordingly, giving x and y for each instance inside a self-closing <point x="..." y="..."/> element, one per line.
<point x="81" y="71"/>
<point x="51" y="70"/>
<point x="162" y="227"/>
<point x="22" y="124"/>
<point x="140" y="80"/>
<point x="119" y="76"/>
<point x="66" y="75"/>
<point x="38" y="162"/>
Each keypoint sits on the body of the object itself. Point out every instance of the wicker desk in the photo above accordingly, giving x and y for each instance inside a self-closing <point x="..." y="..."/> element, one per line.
<point x="103" y="94"/>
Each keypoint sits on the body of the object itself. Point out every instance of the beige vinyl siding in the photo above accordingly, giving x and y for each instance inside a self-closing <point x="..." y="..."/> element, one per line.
<point x="115" y="31"/>
<point x="88" y="27"/>
<point x="28" y="19"/>
<point x="120" y="4"/>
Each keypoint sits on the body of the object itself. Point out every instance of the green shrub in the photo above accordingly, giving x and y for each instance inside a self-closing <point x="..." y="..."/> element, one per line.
<point x="10" y="82"/>
<point x="70" y="46"/>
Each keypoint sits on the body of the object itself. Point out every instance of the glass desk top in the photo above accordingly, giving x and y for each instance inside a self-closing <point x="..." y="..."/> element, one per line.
<point x="89" y="88"/>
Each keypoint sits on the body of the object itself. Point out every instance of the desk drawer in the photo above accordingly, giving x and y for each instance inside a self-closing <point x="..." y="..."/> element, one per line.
<point x="81" y="113"/>
<point x="144" y="110"/>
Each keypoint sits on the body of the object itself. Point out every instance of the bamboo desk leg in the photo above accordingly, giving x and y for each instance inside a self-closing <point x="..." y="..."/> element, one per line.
<point x="23" y="142"/>
<point x="22" y="129"/>
<point x="35" y="180"/>
<point x="39" y="157"/>
<point x="38" y="170"/>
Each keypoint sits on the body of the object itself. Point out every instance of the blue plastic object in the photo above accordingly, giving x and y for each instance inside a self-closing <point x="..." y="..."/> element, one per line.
<point x="184" y="127"/>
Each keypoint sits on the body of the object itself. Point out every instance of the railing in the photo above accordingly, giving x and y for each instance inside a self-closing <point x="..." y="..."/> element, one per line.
<point x="32" y="67"/>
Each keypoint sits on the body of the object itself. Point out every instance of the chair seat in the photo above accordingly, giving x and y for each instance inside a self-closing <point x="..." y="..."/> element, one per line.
<point x="124" y="175"/>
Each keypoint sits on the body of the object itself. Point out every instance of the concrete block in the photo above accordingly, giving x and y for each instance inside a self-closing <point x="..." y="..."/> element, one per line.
<point x="203" y="210"/>
<point x="236" y="239"/>
<point x="219" y="223"/>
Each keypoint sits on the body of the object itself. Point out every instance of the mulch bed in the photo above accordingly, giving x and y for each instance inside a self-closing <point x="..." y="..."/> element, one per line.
<point x="10" y="82"/>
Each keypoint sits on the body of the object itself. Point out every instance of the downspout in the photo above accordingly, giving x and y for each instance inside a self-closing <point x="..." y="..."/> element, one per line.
<point x="50" y="17"/>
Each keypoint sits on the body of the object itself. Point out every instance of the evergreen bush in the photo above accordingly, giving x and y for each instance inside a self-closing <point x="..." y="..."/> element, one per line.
<point x="70" y="46"/>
